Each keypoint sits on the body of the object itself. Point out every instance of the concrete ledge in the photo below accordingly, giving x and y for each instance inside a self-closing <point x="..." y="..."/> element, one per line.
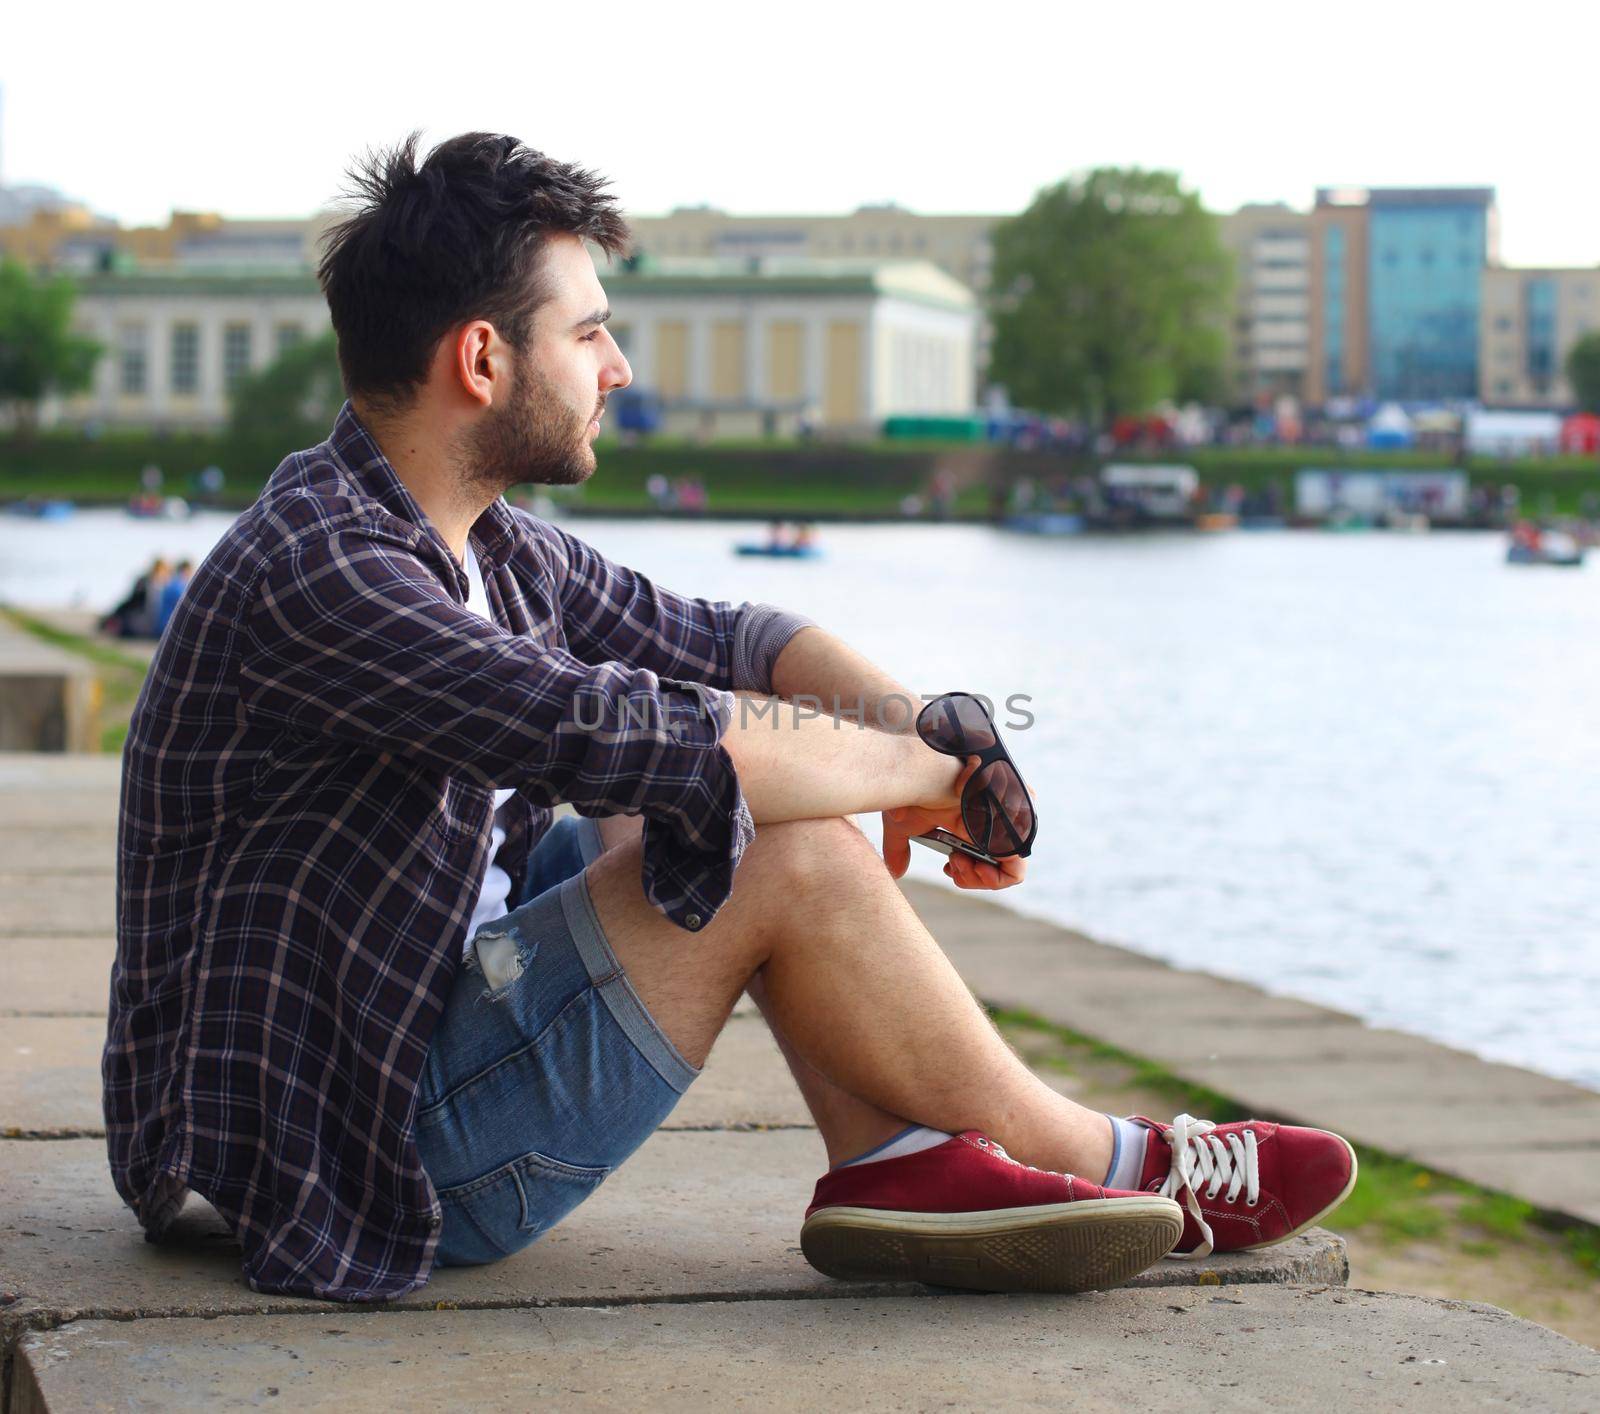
<point x="691" y="1217"/>
<point x="49" y="699"/>
<point x="1301" y="1349"/>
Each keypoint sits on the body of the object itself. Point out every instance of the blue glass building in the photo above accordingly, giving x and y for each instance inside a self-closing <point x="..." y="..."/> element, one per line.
<point x="1426" y="250"/>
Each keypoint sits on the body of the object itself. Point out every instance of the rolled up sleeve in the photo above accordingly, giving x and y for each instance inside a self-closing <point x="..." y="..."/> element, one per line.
<point x="762" y="632"/>
<point x="350" y="636"/>
<point x="610" y="611"/>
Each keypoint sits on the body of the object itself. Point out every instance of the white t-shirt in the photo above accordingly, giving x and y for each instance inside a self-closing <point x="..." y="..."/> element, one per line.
<point x="496" y="887"/>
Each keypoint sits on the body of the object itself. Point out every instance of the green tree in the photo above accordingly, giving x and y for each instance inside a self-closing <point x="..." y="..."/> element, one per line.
<point x="39" y="352"/>
<point x="1110" y="294"/>
<point x="286" y="406"/>
<point x="1583" y="371"/>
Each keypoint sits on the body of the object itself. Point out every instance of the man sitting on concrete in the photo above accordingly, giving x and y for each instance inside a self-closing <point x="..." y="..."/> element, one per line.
<point x="381" y="1011"/>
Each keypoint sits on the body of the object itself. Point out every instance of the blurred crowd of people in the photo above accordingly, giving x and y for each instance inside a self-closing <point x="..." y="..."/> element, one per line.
<point x="150" y="603"/>
<point x="679" y="493"/>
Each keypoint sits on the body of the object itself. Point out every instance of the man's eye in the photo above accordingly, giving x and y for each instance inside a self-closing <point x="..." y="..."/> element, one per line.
<point x="590" y="337"/>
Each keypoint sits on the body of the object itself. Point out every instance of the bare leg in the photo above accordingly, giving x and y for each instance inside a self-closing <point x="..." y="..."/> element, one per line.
<point x="857" y="989"/>
<point x="848" y="1126"/>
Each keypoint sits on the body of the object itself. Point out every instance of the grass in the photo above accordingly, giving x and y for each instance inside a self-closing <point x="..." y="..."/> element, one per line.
<point x="756" y="477"/>
<point x="1395" y="1201"/>
<point x="121" y="674"/>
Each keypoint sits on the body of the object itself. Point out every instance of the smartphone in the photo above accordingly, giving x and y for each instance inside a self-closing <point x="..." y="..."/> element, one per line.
<point x="947" y="843"/>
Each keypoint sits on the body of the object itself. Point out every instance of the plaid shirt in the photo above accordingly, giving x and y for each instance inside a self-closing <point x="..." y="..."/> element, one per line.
<point x="305" y="823"/>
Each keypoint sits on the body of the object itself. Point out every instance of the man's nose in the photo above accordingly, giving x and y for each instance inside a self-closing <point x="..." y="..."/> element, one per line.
<point x="618" y="374"/>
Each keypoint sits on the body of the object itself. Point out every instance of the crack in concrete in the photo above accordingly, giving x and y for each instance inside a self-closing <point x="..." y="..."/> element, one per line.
<point x="40" y="1136"/>
<point x="54" y="1015"/>
<point x="43" y="1136"/>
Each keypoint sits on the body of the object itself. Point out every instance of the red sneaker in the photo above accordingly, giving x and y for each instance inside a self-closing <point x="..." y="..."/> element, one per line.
<point x="965" y="1213"/>
<point x="1245" y="1185"/>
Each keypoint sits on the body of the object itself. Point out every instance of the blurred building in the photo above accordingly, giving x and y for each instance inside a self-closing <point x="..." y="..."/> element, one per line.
<point x="958" y="245"/>
<point x="765" y="345"/>
<point x="1397" y="291"/>
<point x="68" y="236"/>
<point x="1427" y="249"/>
<point x="1529" y="322"/>
<point x="1270" y="335"/>
<point x="1340" y="364"/>
<point x="723" y="350"/>
<point x="18" y="203"/>
<point x="178" y="342"/>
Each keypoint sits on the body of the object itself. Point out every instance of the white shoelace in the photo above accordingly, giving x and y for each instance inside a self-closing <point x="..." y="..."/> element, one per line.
<point x="1199" y="1156"/>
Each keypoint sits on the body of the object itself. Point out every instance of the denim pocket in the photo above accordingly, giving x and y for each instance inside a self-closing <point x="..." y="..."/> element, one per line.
<point x="505" y="1210"/>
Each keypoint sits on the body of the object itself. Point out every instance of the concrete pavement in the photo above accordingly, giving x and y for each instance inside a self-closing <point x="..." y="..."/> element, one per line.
<point x="1245" y="1349"/>
<point x="705" y="1219"/>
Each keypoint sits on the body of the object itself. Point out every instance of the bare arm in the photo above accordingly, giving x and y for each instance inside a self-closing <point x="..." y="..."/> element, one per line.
<point x="864" y="750"/>
<point x="794" y="764"/>
<point x="817" y="666"/>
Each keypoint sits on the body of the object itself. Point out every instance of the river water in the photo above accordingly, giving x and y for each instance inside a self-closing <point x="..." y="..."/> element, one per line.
<point x="1358" y="769"/>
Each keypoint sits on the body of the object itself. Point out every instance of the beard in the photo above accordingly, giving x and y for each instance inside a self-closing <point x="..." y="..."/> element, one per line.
<point x="535" y="437"/>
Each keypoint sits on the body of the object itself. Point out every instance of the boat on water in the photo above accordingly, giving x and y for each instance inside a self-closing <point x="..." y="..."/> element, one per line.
<point x="784" y="543"/>
<point x="38" y="508"/>
<point x="1532" y="546"/>
<point x="1045" y="523"/>
<point x="780" y="552"/>
<point x="159" y="508"/>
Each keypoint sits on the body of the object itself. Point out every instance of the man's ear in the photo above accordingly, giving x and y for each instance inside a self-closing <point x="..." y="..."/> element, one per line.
<point x="477" y="361"/>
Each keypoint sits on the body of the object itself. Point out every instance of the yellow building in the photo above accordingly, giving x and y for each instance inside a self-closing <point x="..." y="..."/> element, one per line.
<point x="764" y="345"/>
<point x="69" y="237"/>
<point x="961" y="246"/>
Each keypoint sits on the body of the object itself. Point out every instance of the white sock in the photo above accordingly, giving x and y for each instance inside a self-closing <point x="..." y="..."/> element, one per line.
<point x="911" y="1140"/>
<point x="1128" y="1144"/>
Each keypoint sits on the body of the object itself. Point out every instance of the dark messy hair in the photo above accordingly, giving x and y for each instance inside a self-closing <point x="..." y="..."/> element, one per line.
<point x="458" y="238"/>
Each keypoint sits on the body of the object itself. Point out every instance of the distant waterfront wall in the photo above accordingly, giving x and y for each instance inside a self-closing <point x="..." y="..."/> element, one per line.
<point x="819" y="476"/>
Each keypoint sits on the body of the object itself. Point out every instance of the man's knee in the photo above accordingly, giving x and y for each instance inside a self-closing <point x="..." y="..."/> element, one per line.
<point x="805" y="854"/>
<point x="794" y="856"/>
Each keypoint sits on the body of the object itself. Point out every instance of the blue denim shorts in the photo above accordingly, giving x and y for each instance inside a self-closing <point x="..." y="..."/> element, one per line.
<point x="546" y="1071"/>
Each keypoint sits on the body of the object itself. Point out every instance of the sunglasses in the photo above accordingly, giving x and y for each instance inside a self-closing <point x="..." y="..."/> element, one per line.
<point x="996" y="807"/>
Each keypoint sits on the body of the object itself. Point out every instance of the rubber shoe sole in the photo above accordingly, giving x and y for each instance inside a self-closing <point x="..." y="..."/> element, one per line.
<point x="1088" y="1245"/>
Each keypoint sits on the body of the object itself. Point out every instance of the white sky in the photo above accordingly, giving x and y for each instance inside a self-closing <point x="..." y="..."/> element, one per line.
<point x="822" y="106"/>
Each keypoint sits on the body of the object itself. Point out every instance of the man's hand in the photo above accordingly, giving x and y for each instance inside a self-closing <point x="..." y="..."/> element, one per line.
<point x="968" y="873"/>
<point x="816" y="664"/>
